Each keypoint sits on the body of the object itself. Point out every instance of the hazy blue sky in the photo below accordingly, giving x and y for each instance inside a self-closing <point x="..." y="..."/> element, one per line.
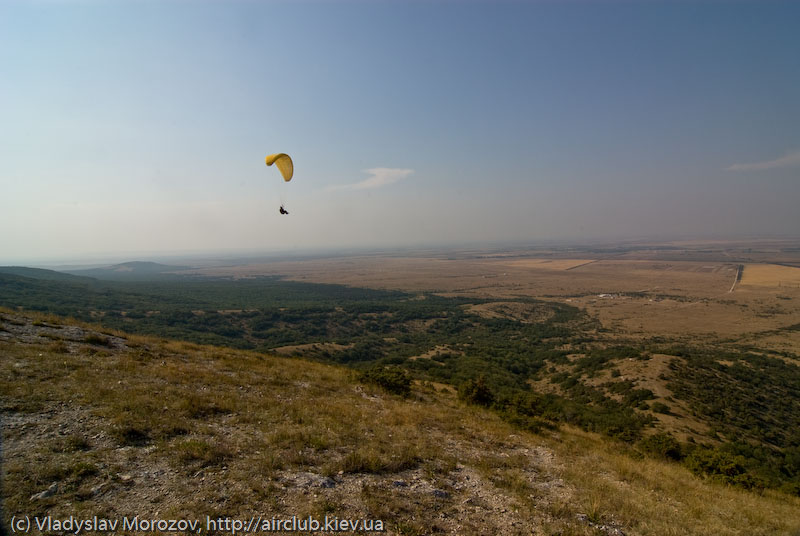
<point x="142" y="126"/>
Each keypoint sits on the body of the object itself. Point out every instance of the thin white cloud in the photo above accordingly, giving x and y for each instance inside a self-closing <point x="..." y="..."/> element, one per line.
<point x="789" y="160"/>
<point x="379" y="177"/>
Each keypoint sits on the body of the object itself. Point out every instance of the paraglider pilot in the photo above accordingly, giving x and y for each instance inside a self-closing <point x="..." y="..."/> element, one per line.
<point x="283" y="210"/>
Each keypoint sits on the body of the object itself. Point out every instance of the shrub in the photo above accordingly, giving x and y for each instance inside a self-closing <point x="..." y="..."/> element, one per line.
<point x="476" y="392"/>
<point x="391" y="378"/>
<point x="723" y="467"/>
<point x="660" y="407"/>
<point x="661" y="445"/>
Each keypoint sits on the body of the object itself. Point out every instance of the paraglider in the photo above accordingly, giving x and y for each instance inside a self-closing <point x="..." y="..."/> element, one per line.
<point x="284" y="164"/>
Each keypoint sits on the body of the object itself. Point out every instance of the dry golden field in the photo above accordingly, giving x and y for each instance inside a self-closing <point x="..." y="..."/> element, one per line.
<point x="771" y="275"/>
<point x="550" y="264"/>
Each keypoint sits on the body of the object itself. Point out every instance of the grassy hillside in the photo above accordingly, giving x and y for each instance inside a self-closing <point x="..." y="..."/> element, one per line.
<point x="126" y="425"/>
<point x="725" y="412"/>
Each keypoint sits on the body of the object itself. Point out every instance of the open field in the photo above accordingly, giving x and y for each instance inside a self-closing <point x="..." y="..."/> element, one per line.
<point x="495" y="278"/>
<point x="771" y="275"/>
<point x="678" y="290"/>
<point x="550" y="264"/>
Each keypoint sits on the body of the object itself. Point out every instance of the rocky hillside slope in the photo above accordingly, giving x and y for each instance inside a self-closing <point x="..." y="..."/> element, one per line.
<point x="105" y="424"/>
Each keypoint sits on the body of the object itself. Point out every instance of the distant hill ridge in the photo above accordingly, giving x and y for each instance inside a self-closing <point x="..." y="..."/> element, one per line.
<point x="130" y="270"/>
<point x="40" y="273"/>
<point x="145" y="266"/>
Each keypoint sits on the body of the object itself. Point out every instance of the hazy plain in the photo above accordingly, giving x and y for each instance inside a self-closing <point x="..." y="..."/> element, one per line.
<point x="679" y="290"/>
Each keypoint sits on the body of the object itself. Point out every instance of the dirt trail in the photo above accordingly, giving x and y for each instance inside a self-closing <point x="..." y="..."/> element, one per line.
<point x="738" y="277"/>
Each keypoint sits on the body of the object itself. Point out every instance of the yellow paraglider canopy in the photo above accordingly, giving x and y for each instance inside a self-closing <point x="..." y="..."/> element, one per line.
<point x="284" y="163"/>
